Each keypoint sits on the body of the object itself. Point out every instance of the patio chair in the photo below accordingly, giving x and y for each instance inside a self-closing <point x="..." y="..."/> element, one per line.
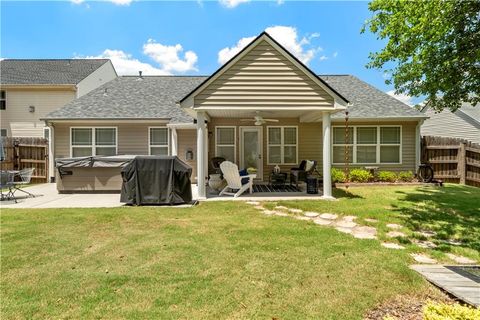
<point x="301" y="173"/>
<point x="25" y="178"/>
<point x="6" y="182"/>
<point x="234" y="180"/>
<point x="215" y="163"/>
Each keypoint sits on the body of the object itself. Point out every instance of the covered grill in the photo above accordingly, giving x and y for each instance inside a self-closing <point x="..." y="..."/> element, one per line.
<point x="155" y="180"/>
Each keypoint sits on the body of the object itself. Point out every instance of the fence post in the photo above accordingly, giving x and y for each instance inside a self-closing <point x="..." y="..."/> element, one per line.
<point x="461" y="165"/>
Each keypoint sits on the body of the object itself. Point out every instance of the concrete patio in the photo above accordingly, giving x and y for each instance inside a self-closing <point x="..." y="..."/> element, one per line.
<point x="47" y="196"/>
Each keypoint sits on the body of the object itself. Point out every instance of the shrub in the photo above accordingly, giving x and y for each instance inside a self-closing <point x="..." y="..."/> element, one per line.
<point x="442" y="311"/>
<point x="360" y="175"/>
<point x="387" y="176"/>
<point x="406" y="176"/>
<point x="338" y="175"/>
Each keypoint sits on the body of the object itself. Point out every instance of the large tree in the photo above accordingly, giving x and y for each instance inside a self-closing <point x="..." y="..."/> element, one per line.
<point x="432" y="50"/>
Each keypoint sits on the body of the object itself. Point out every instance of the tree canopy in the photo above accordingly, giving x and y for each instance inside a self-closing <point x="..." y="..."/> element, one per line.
<point x="432" y="50"/>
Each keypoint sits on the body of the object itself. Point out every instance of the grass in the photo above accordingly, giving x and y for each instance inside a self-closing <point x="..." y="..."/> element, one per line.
<point x="217" y="260"/>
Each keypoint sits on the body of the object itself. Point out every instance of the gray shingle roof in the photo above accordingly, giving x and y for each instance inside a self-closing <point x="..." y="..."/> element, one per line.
<point x="367" y="101"/>
<point x="131" y="97"/>
<point x="155" y="97"/>
<point x="47" y="71"/>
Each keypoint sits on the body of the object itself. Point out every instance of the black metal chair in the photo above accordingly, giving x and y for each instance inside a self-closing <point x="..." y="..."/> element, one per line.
<point x="300" y="174"/>
<point x="6" y="182"/>
<point x="215" y="163"/>
<point x="25" y="178"/>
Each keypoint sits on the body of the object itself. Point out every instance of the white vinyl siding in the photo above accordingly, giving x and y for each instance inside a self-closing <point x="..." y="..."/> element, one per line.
<point x="225" y="143"/>
<point x="158" y="141"/>
<point x="93" y="141"/>
<point x="282" y="145"/>
<point x="368" y="145"/>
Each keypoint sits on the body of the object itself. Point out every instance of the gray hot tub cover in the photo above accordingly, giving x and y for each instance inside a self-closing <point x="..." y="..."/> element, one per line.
<point x="154" y="180"/>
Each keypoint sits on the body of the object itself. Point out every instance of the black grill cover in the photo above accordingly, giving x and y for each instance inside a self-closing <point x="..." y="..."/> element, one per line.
<point x="154" y="180"/>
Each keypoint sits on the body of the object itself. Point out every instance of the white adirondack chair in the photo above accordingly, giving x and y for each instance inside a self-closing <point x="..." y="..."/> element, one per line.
<point x="234" y="180"/>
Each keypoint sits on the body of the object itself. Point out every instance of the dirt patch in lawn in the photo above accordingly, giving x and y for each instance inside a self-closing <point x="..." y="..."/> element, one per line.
<point x="407" y="307"/>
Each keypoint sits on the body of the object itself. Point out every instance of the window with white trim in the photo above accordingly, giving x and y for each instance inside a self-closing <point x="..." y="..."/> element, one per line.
<point x="100" y="141"/>
<point x="158" y="141"/>
<point x="3" y="100"/>
<point x="225" y="143"/>
<point x="282" y="145"/>
<point x="368" y="144"/>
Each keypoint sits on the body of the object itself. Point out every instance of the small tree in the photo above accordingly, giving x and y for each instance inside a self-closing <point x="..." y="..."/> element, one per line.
<point x="434" y="46"/>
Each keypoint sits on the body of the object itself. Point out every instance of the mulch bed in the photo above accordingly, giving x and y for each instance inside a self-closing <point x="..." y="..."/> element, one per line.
<point x="407" y="307"/>
<point x="376" y="184"/>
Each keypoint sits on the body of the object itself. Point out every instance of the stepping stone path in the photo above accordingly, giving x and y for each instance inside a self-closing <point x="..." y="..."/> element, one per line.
<point x="423" y="258"/>
<point x="460" y="259"/>
<point x="370" y="220"/>
<point x="328" y="216"/>
<point x="364" y="232"/>
<point x="259" y="207"/>
<point x="391" y="245"/>
<point x="345" y="223"/>
<point x="281" y="214"/>
<point x="394" y="226"/>
<point x="269" y="212"/>
<point x="322" y="222"/>
<point x="281" y="208"/>
<point x="425" y="244"/>
<point x="349" y="218"/>
<point x="254" y="203"/>
<point x="302" y="218"/>
<point x="453" y="242"/>
<point x="426" y="233"/>
<point x="396" y="234"/>
<point x="344" y="230"/>
<point x="295" y="210"/>
<point x="311" y="214"/>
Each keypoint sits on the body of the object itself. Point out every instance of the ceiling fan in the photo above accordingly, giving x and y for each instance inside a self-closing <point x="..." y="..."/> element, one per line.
<point x="259" y="120"/>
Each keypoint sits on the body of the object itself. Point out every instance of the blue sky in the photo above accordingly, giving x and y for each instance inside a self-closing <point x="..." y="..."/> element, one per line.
<point x="192" y="37"/>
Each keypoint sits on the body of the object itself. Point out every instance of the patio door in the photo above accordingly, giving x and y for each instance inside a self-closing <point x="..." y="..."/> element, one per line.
<point x="251" y="149"/>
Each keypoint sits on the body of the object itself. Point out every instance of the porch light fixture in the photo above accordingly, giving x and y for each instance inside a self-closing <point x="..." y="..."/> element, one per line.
<point x="31" y="109"/>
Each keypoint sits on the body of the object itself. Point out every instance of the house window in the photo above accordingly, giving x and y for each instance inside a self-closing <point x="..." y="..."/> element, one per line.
<point x="93" y="142"/>
<point x="225" y="146"/>
<point x="3" y="100"/>
<point x="3" y="132"/>
<point x="367" y="144"/>
<point x="282" y="145"/>
<point x="158" y="144"/>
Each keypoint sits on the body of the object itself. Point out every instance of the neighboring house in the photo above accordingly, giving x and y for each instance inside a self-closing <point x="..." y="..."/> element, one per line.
<point x="226" y="115"/>
<point x="30" y="89"/>
<point x="464" y="123"/>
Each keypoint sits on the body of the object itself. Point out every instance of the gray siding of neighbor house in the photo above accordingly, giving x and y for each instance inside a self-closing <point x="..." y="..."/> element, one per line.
<point x="132" y="140"/>
<point x="263" y="77"/>
<point x="448" y="124"/>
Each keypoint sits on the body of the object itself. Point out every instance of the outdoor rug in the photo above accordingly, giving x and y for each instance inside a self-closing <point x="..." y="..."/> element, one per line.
<point x="268" y="188"/>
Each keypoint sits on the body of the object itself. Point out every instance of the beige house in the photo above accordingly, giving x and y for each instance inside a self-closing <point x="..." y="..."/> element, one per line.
<point x="261" y="109"/>
<point x="30" y="89"/>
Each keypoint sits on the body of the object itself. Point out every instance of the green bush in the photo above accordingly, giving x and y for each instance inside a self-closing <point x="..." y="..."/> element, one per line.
<point x="405" y="176"/>
<point x="442" y="311"/>
<point x="360" y="175"/>
<point x="338" y="175"/>
<point x="387" y="176"/>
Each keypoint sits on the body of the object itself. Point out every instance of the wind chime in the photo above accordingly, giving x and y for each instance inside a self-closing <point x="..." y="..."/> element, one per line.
<point x="347" y="142"/>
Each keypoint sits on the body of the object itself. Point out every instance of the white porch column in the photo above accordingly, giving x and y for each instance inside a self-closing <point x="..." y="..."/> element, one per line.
<point x="174" y="142"/>
<point x="327" y="164"/>
<point x="201" y="154"/>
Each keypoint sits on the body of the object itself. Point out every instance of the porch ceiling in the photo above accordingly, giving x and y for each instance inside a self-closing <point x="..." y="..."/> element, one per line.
<point x="303" y="115"/>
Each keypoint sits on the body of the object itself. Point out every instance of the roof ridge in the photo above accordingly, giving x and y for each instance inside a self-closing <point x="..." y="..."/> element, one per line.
<point x="162" y="76"/>
<point x="53" y="59"/>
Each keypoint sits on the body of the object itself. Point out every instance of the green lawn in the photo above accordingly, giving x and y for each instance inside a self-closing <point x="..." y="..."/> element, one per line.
<point x="220" y="259"/>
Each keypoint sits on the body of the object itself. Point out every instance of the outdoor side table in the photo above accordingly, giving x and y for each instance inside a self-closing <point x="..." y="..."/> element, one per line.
<point x="277" y="179"/>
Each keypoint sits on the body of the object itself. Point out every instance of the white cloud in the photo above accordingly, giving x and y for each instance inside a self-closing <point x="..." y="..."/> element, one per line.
<point x="280" y="2"/>
<point x="335" y="54"/>
<point x="322" y="58"/>
<point x="232" y="3"/>
<point x="286" y="36"/>
<point x="125" y="64"/>
<point x="168" y="56"/>
<point x="117" y="2"/>
<point x="405" y="98"/>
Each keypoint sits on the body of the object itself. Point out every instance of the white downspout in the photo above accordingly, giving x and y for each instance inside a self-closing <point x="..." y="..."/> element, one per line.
<point x="174" y="151"/>
<point x="51" y="153"/>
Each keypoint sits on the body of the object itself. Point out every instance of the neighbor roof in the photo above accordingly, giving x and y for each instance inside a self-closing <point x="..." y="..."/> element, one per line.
<point x="469" y="113"/>
<point x="47" y="71"/>
<point x="155" y="97"/>
<point x="367" y="101"/>
<point x="132" y="97"/>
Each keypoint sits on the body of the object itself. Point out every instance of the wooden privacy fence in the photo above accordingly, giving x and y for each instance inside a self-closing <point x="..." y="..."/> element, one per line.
<point x="23" y="153"/>
<point x="453" y="160"/>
